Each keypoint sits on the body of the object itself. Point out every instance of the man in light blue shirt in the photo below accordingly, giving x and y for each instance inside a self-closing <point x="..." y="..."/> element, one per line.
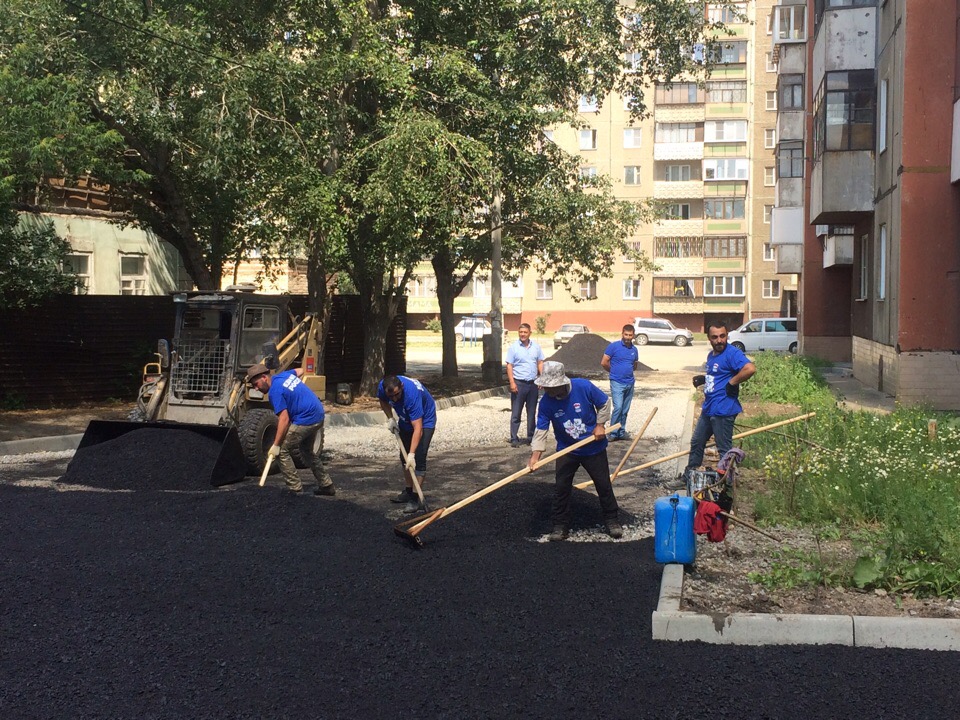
<point x="524" y="365"/>
<point x="620" y="360"/>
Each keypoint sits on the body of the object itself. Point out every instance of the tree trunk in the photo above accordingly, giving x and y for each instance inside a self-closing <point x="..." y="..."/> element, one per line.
<point x="446" y="294"/>
<point x="319" y="292"/>
<point x="377" y="314"/>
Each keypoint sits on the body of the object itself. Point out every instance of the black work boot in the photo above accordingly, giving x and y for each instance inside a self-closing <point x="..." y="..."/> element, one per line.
<point x="614" y="529"/>
<point x="414" y="505"/>
<point x="559" y="533"/>
<point x="404" y="497"/>
<point x="328" y="489"/>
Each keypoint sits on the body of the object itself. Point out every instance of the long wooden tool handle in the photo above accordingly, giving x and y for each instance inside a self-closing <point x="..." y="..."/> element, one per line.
<point x="510" y="478"/>
<point x="683" y="453"/>
<point x="749" y="525"/>
<point x="266" y="470"/>
<point x="587" y="483"/>
<point x="406" y="470"/>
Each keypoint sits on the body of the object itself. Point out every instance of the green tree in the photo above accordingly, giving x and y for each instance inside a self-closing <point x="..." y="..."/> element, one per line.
<point x="32" y="260"/>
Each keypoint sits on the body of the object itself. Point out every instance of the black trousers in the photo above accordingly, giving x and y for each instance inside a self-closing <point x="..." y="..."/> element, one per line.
<point x="598" y="469"/>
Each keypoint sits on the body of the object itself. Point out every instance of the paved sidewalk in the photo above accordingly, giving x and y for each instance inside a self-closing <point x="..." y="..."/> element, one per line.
<point x="854" y="395"/>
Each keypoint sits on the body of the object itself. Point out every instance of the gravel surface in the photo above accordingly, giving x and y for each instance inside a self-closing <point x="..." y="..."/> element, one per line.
<point x="252" y="602"/>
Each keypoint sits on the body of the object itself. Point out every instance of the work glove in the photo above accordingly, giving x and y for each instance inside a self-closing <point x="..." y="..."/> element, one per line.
<point x="274" y="451"/>
<point x="392" y="426"/>
<point x="699" y="380"/>
<point x="411" y="463"/>
<point x="733" y="391"/>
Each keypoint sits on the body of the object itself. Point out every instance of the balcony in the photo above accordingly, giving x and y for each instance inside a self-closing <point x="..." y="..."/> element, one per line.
<point x="678" y="228"/>
<point x="837" y="250"/>
<point x="680" y="113"/>
<point x="734" y="226"/>
<point x="678" y="151"/>
<point x="688" y="189"/>
<point x="789" y="192"/>
<point x="789" y="24"/>
<point x="841" y="187"/>
<point x="786" y="226"/>
<point x="789" y="259"/>
<point x="790" y="124"/>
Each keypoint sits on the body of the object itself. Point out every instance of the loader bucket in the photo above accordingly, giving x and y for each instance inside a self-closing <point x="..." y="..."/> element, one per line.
<point x="229" y="467"/>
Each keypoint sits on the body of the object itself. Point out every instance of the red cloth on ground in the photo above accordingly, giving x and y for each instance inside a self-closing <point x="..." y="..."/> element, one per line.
<point x="708" y="521"/>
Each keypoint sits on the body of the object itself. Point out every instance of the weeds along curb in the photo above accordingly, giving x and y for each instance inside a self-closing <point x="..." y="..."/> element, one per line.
<point x="672" y="624"/>
<point x="58" y="443"/>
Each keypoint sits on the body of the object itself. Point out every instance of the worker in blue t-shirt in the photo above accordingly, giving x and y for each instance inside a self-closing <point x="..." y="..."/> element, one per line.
<point x="576" y="409"/>
<point x="620" y="360"/>
<point x="299" y="419"/>
<point x="417" y="414"/>
<point x="727" y="367"/>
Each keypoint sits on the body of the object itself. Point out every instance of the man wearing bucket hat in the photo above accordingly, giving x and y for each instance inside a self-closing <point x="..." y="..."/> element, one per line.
<point x="299" y="418"/>
<point x="576" y="409"/>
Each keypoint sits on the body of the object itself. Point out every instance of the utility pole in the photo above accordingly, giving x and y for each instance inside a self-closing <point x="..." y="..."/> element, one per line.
<point x="494" y="363"/>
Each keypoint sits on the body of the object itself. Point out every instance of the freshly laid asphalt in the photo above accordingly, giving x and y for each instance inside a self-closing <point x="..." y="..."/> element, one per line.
<point x="252" y="602"/>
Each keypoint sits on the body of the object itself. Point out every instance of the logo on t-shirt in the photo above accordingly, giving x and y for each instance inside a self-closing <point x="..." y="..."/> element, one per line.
<point x="558" y="413"/>
<point x="575" y="428"/>
<point x="576" y="406"/>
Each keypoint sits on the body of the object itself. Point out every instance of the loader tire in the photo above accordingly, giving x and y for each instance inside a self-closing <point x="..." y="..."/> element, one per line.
<point x="257" y="430"/>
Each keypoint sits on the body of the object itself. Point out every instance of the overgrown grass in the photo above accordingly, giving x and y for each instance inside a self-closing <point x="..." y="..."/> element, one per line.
<point x="886" y="477"/>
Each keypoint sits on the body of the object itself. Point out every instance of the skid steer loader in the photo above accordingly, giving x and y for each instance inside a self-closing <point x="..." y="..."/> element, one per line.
<point x="198" y="380"/>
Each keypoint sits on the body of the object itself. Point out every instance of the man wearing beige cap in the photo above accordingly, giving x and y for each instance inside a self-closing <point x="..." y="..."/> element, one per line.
<point x="299" y="419"/>
<point x="575" y="409"/>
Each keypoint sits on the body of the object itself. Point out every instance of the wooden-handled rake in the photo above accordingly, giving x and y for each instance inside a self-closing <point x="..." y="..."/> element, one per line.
<point x="410" y="529"/>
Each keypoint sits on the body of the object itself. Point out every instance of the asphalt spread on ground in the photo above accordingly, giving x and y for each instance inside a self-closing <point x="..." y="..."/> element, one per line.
<point x="254" y="602"/>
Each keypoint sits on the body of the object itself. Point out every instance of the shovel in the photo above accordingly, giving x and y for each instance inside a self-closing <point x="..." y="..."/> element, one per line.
<point x="410" y="529"/>
<point x="406" y="470"/>
<point x="266" y="470"/>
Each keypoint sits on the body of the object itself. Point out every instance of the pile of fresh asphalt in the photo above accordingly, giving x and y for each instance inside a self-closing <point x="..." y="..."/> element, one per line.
<point x="146" y="459"/>
<point x="254" y="602"/>
<point x="581" y="356"/>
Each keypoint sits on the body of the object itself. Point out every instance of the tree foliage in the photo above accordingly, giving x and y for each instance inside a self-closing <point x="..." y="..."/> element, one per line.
<point x="32" y="258"/>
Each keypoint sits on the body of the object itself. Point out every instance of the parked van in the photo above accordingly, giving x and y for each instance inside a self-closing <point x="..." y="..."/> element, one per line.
<point x="778" y="334"/>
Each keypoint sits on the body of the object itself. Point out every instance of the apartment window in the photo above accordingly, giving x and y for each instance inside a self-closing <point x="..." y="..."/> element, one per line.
<point x="631" y="137"/>
<point x="677" y="173"/>
<point x="676" y="132"/>
<point x="631" y="174"/>
<point x="767" y="214"/>
<point x="864" y="265"/>
<point x="679" y="94"/>
<point x="769" y="138"/>
<point x="669" y="287"/>
<point x="729" y="52"/>
<point x="726" y="169"/>
<point x="723" y="286"/>
<point x="769" y="176"/>
<point x="631" y="289"/>
<point x="678" y="211"/>
<point x="588" y="139"/>
<point x="791" y="92"/>
<point x="770" y="24"/>
<point x="771" y="100"/>
<point x="544" y="289"/>
<point x="79" y="265"/>
<point x="724" y="208"/>
<point x="588" y="174"/>
<point x="548" y="134"/>
<point x="724" y="247"/>
<point x="882" y="117"/>
<point x="634" y="61"/>
<point x="790" y="159"/>
<point x="820" y="5"/>
<point x="133" y="275"/>
<point x="588" y="289"/>
<point x="588" y="103"/>
<point x="882" y="265"/>
<point x="481" y="286"/>
<point x="422" y="286"/>
<point x="769" y="254"/>
<point x="843" y="112"/>
<point x="725" y="130"/>
<point x="679" y="247"/>
<point x="733" y="13"/>
<point x="771" y="289"/>
<point x="789" y="23"/>
<point x="727" y="91"/>
<point x="629" y="101"/>
<point x="771" y="63"/>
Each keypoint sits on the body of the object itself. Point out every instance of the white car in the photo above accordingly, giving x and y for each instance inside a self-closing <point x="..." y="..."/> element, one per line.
<point x="660" y="330"/>
<point x="567" y="331"/>
<point x="472" y="328"/>
<point x="779" y="334"/>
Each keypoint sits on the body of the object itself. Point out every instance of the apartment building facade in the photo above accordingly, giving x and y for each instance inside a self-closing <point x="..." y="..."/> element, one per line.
<point x="878" y="223"/>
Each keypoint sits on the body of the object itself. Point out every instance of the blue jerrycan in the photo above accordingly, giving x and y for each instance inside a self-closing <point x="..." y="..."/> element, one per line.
<point x="673" y="530"/>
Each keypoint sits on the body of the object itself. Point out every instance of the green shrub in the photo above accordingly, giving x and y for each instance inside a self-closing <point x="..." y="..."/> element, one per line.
<point x="541" y="323"/>
<point x="433" y="325"/>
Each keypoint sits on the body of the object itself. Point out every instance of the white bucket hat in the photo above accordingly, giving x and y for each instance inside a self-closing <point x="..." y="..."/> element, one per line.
<point x="552" y="375"/>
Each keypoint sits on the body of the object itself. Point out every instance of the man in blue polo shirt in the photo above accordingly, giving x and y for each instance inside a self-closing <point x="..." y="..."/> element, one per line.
<point x="620" y="360"/>
<point x="417" y="414"/>
<point x="727" y="367"/>
<point x="524" y="364"/>
<point x="299" y="418"/>
<point x="575" y="409"/>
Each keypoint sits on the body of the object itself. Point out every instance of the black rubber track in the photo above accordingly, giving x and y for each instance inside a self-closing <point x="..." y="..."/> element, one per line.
<point x="256" y="603"/>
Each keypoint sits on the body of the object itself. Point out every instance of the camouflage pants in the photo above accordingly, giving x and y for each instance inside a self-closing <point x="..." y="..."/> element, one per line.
<point x="301" y="439"/>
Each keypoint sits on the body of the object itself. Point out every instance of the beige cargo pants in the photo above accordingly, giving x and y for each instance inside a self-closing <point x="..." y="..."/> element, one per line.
<point x="301" y="439"/>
